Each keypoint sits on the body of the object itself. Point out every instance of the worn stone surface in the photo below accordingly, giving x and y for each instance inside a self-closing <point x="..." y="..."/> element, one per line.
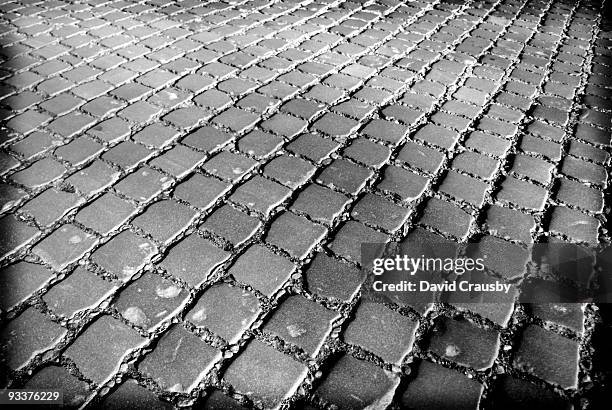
<point x="463" y="343"/>
<point x="150" y="300"/>
<point x="64" y="246"/>
<point x="381" y="331"/>
<point x="512" y="393"/>
<point x="20" y="280"/>
<point x="437" y="387"/>
<point x="51" y="205"/>
<point x="549" y="356"/>
<point x="295" y="234"/>
<point x="80" y="290"/>
<point x="193" y="259"/>
<point x="330" y="277"/>
<point x="354" y="383"/>
<point x="266" y="373"/>
<point x="262" y="269"/>
<point x="130" y="395"/>
<point x="124" y="255"/>
<point x="225" y="310"/>
<point x="302" y="322"/>
<point x="28" y="334"/>
<point x="106" y="213"/>
<point x="74" y="391"/>
<point x="179" y="359"/>
<point x="221" y="163"/>
<point x="100" y="349"/>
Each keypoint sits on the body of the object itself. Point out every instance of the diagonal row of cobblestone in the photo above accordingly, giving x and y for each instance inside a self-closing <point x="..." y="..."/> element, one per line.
<point x="205" y="193"/>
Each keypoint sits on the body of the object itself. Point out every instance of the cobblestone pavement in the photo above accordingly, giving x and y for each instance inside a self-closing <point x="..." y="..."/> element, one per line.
<point x="185" y="185"/>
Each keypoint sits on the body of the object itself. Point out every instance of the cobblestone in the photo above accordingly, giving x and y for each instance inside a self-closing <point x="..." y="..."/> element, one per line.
<point x="143" y="184"/>
<point x="16" y="234"/>
<point x="131" y="394"/>
<point x="124" y="254"/>
<point x="200" y="191"/>
<point x="28" y="334"/>
<point x="535" y="351"/>
<point x="193" y="259"/>
<point x="463" y="343"/>
<point x="289" y="171"/>
<point x="512" y="392"/>
<point x="574" y="224"/>
<point x="74" y="390"/>
<point x="260" y="194"/>
<point x="226" y="311"/>
<point x="295" y="234"/>
<point x="163" y="220"/>
<point x="355" y="383"/>
<point x="79" y="150"/>
<point x="380" y="212"/>
<point x="435" y="215"/>
<point x="464" y="188"/>
<point x="106" y="213"/>
<point x="194" y="180"/>
<point x="51" y="205"/>
<point x="313" y="147"/>
<point x="40" y="173"/>
<point x="306" y="331"/>
<point x="329" y="277"/>
<point x="149" y="300"/>
<point x="510" y="224"/>
<point x="93" y="179"/>
<point x="523" y="194"/>
<point x="382" y="332"/>
<point x="76" y="293"/>
<point x="266" y="373"/>
<point x="231" y="224"/>
<point x="262" y="269"/>
<point x="177" y="351"/>
<point x="22" y="279"/>
<point x="441" y="388"/>
<point x="100" y="349"/>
